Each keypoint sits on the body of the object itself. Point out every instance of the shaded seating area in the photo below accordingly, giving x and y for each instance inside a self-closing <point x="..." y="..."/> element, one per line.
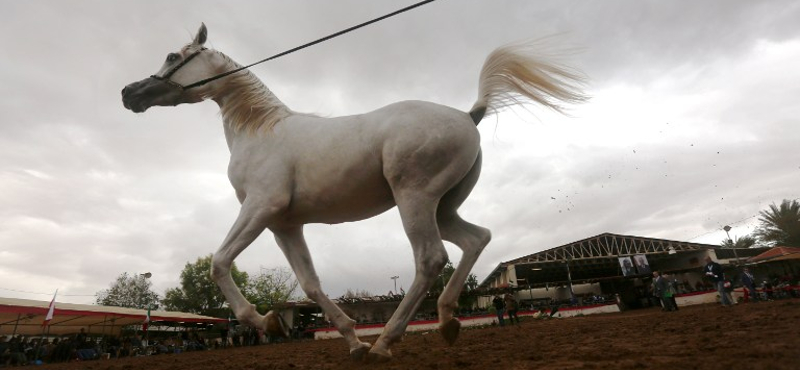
<point x="25" y="317"/>
<point x="78" y="331"/>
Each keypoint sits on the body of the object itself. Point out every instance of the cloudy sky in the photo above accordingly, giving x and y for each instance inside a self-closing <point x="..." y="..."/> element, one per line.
<point x="693" y="124"/>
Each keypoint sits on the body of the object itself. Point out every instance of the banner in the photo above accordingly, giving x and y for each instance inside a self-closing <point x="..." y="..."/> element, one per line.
<point x="642" y="266"/>
<point x="627" y="266"/>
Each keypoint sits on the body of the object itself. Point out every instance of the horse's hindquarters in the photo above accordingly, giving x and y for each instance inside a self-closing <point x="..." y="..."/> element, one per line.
<point x="430" y="148"/>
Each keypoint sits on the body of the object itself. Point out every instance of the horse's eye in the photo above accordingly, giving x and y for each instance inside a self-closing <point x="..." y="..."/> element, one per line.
<point x="172" y="57"/>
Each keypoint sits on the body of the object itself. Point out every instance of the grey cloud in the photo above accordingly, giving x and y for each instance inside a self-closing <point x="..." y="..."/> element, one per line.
<point x="149" y="192"/>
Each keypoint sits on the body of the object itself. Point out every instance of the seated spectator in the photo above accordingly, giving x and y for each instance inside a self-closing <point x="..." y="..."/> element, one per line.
<point x="80" y="339"/>
<point x="16" y="352"/>
<point x="5" y="354"/>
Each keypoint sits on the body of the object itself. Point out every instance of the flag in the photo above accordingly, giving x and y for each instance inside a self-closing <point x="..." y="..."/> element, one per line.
<point x="146" y="322"/>
<point x="50" y="310"/>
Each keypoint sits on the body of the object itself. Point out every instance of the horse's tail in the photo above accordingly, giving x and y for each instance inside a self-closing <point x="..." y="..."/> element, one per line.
<point x="512" y="72"/>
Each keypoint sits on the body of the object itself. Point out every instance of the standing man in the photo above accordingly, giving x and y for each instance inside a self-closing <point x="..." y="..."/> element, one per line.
<point x="713" y="272"/>
<point x="511" y="308"/>
<point x="499" y="307"/>
<point x="663" y="292"/>
<point x="748" y="281"/>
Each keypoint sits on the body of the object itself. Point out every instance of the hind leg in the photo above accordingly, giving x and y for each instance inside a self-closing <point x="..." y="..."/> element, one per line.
<point x="293" y="245"/>
<point x="418" y="214"/>
<point x="470" y="238"/>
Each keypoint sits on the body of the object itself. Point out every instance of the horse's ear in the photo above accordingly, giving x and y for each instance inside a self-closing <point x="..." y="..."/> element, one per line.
<point x="201" y="36"/>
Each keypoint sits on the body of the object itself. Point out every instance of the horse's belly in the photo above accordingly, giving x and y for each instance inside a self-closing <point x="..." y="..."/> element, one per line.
<point x="345" y="201"/>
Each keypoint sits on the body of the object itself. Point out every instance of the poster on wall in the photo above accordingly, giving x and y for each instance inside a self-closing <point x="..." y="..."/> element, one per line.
<point x="627" y="266"/>
<point x="642" y="266"/>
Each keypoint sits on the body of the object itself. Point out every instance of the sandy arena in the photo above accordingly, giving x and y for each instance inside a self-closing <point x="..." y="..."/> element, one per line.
<point x="749" y="336"/>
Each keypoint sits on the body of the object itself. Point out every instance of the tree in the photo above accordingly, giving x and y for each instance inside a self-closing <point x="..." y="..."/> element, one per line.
<point x="271" y="287"/>
<point x="780" y="225"/>
<point x="363" y="293"/>
<point x="746" y="241"/>
<point x="464" y="300"/>
<point x="198" y="293"/>
<point x="132" y="291"/>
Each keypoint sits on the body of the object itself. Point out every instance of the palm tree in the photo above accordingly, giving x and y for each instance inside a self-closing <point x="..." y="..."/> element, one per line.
<point x="780" y="225"/>
<point x="746" y="241"/>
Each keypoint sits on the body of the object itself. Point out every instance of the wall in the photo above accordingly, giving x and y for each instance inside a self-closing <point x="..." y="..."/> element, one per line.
<point x="414" y="326"/>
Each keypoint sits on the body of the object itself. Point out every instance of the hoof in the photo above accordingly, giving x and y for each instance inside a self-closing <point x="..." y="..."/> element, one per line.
<point x="450" y="330"/>
<point x="360" y="353"/>
<point x="376" y="358"/>
<point x="275" y="325"/>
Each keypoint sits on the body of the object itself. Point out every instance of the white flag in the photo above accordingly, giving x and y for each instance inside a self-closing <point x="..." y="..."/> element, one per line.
<point x="50" y="310"/>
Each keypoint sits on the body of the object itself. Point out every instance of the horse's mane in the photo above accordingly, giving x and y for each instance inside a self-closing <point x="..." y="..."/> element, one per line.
<point x="256" y="107"/>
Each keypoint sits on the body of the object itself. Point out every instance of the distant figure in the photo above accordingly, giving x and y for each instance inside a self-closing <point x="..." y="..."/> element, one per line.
<point x="766" y="286"/>
<point x="499" y="307"/>
<point x="749" y="282"/>
<point x="713" y="271"/>
<point x="511" y="308"/>
<point x="673" y="287"/>
<point x="223" y="335"/>
<point x="81" y="339"/>
<point x="662" y="290"/>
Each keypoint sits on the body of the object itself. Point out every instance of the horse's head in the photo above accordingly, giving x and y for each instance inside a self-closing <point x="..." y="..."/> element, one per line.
<point x="167" y="87"/>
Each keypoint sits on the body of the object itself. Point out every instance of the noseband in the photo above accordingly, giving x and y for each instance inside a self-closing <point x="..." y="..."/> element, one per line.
<point x="166" y="76"/>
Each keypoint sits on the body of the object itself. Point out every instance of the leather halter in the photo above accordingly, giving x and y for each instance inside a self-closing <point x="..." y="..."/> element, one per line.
<point x="168" y="74"/>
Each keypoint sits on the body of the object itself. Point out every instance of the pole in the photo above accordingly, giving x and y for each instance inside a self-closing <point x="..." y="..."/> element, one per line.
<point x="15" y="325"/>
<point x="569" y="280"/>
<point x="147" y="333"/>
<point x="733" y="246"/>
<point x="147" y="275"/>
<point x="39" y="345"/>
<point x="530" y="291"/>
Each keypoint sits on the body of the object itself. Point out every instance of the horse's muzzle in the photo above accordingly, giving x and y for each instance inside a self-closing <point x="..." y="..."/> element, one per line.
<point x="141" y="95"/>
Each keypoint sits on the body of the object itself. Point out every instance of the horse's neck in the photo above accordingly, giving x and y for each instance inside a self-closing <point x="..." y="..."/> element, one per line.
<point x="246" y="106"/>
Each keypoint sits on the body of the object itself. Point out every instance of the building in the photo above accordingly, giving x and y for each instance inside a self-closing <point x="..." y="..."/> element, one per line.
<point x="601" y="267"/>
<point x="600" y="274"/>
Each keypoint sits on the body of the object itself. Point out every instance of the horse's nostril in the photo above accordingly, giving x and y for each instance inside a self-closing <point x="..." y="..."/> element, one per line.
<point x="124" y="90"/>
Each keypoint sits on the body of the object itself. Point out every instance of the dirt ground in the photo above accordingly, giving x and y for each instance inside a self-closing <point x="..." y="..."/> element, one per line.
<point x="749" y="336"/>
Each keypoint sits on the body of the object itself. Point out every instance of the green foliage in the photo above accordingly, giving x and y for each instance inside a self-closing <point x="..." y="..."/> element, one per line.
<point x="780" y="225"/>
<point x="443" y="278"/>
<point x="746" y="241"/>
<point x="131" y="291"/>
<point x="464" y="301"/>
<point x="270" y="288"/>
<point x="198" y="293"/>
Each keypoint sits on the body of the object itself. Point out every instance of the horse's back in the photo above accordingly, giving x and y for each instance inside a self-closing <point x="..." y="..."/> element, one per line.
<point x="427" y="115"/>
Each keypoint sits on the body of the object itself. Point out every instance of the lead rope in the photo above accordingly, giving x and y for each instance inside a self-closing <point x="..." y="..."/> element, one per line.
<point x="342" y="32"/>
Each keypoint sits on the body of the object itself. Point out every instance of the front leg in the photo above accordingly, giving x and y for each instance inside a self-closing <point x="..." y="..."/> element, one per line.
<point x="293" y="245"/>
<point x="253" y="219"/>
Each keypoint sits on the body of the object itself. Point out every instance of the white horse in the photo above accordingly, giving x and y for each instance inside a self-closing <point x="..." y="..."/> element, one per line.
<point x="291" y="169"/>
